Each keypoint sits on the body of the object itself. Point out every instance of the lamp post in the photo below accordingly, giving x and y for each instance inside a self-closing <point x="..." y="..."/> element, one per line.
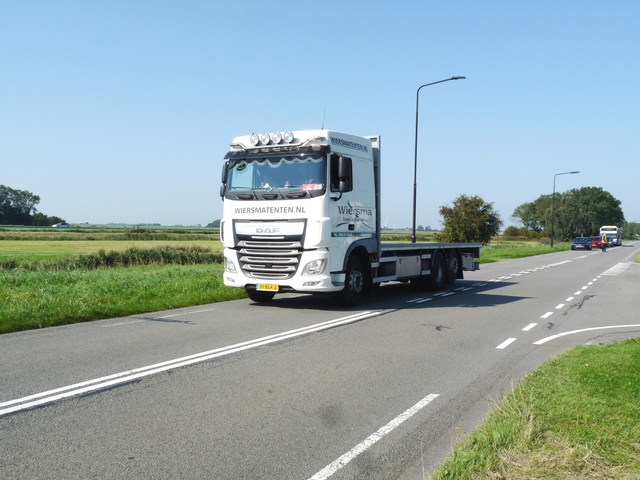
<point x="415" y="160"/>
<point x="553" y="200"/>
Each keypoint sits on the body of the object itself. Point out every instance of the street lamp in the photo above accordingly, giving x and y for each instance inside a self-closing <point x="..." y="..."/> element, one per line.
<point x="553" y="200"/>
<point x="415" y="161"/>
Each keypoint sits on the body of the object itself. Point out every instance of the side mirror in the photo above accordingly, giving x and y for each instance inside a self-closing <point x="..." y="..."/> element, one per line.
<point x="345" y="174"/>
<point x="225" y="172"/>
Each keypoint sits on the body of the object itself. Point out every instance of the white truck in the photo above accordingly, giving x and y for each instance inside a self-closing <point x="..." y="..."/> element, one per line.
<point x="302" y="214"/>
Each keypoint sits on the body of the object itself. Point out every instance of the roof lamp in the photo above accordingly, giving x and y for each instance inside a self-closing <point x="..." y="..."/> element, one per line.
<point x="254" y="139"/>
<point x="264" y="138"/>
<point x="288" y="136"/>
<point x="276" y="137"/>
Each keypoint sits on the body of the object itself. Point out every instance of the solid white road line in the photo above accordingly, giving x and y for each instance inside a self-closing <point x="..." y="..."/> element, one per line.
<point x="337" y="464"/>
<point x="553" y="337"/>
<point x="130" y="375"/>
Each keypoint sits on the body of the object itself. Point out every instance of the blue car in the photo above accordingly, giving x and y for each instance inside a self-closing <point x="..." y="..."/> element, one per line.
<point x="581" y="243"/>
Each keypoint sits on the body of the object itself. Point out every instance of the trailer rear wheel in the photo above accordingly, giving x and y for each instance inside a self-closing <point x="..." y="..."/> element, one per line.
<point x="259" y="296"/>
<point x="438" y="273"/>
<point x="354" y="283"/>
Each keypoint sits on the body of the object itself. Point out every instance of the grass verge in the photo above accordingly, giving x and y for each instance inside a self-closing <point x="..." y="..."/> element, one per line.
<point x="36" y="293"/>
<point x="42" y="298"/>
<point x="500" y="249"/>
<point x="575" y="416"/>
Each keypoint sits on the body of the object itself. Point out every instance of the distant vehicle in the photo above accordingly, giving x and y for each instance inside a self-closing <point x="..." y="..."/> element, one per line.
<point x="581" y="243"/>
<point x="614" y="234"/>
<point x="61" y="225"/>
<point x="596" y="241"/>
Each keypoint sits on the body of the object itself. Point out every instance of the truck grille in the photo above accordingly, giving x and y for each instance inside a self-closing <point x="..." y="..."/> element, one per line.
<point x="269" y="259"/>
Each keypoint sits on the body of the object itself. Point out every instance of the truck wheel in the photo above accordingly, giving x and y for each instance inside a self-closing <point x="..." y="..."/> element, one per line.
<point x="437" y="275"/>
<point x="354" y="283"/>
<point x="260" y="297"/>
<point x="453" y="265"/>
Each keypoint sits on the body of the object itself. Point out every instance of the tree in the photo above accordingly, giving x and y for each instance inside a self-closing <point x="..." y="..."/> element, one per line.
<point x="533" y="214"/>
<point x="214" y="224"/>
<point x="577" y="212"/>
<point x="630" y="230"/>
<point x="586" y="209"/>
<point x="470" y="219"/>
<point x="16" y="206"/>
<point x="42" y="220"/>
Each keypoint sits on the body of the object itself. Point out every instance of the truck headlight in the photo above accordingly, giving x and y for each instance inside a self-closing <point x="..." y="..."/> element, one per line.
<point x="229" y="266"/>
<point x="314" y="267"/>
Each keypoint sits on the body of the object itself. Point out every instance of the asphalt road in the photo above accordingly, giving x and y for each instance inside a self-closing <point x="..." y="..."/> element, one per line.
<point x="298" y="389"/>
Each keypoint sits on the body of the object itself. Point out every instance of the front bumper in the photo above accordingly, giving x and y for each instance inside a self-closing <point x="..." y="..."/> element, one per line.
<point x="319" y="283"/>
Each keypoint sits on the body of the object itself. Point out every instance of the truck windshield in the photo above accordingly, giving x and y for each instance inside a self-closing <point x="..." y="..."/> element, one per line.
<point x="288" y="172"/>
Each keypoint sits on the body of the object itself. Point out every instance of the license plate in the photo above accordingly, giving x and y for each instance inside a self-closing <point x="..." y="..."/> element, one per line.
<point x="269" y="287"/>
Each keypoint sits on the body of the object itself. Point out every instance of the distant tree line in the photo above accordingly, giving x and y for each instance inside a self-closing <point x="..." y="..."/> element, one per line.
<point x="18" y="207"/>
<point x="576" y="212"/>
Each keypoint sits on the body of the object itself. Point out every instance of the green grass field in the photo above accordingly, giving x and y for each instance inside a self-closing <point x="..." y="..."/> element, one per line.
<point x="44" y="297"/>
<point x="55" y="278"/>
<point x="36" y="250"/>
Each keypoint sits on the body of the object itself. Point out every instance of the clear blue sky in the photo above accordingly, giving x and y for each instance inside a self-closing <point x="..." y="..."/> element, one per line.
<point x="121" y="111"/>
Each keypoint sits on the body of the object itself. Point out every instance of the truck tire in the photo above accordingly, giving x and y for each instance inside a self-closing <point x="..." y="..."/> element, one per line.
<point x="260" y="297"/>
<point x="435" y="280"/>
<point x="354" y="283"/>
<point x="453" y="266"/>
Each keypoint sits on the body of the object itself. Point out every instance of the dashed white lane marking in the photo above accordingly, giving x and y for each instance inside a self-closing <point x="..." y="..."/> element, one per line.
<point x="553" y="337"/>
<point x="547" y="315"/>
<point x="337" y="464"/>
<point x="529" y="327"/>
<point x="420" y="300"/>
<point x="506" y="343"/>
<point x="559" y="306"/>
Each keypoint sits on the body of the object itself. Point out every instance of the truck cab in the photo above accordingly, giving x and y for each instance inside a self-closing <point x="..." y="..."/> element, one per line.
<point x="295" y="204"/>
